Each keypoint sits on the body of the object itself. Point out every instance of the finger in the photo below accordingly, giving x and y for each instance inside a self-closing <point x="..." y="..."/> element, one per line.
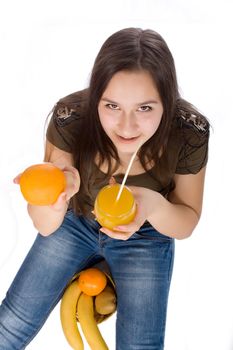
<point x="116" y="235"/>
<point x="132" y="227"/>
<point x="17" y="179"/>
<point x="72" y="169"/>
<point x="112" y="181"/>
<point x="59" y="204"/>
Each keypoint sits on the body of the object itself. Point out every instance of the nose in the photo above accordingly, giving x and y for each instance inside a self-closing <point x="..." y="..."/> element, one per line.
<point x="127" y="125"/>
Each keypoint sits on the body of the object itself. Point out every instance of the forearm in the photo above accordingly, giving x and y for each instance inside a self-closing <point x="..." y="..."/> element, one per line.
<point x="174" y="220"/>
<point x="45" y="219"/>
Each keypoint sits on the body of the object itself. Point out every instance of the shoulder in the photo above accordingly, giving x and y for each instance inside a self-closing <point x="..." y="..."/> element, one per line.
<point x="74" y="99"/>
<point x="191" y="126"/>
<point x="66" y="119"/>
<point x="70" y="108"/>
<point x="190" y="138"/>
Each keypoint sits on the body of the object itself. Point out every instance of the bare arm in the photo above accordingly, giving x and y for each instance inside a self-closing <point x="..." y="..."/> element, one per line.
<point x="47" y="219"/>
<point x="178" y="216"/>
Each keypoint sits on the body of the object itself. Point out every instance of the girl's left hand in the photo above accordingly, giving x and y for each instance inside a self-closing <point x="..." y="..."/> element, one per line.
<point x="145" y="200"/>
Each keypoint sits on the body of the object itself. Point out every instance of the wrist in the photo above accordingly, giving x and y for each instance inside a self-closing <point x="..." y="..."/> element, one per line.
<point x="156" y="206"/>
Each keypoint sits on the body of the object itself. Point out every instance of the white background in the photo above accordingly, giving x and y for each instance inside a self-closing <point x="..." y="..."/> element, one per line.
<point x="47" y="51"/>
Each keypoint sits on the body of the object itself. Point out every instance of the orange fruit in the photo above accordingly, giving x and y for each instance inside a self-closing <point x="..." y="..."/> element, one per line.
<point x="92" y="281"/>
<point x="41" y="184"/>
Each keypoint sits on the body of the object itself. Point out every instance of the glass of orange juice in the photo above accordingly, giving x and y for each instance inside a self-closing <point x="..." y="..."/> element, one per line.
<point x="111" y="212"/>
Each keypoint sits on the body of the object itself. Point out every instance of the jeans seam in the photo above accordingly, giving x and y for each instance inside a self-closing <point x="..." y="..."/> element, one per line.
<point x="171" y="262"/>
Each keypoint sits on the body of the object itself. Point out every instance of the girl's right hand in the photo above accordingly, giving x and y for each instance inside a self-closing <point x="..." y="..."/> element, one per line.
<point x="72" y="187"/>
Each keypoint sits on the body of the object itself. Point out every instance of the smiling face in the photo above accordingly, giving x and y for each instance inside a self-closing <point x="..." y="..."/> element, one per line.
<point x="130" y="110"/>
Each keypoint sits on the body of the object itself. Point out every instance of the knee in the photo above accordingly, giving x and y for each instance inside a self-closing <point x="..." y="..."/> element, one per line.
<point x="15" y="329"/>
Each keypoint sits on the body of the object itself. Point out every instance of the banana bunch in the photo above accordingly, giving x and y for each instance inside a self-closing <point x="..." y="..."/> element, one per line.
<point x="88" y="311"/>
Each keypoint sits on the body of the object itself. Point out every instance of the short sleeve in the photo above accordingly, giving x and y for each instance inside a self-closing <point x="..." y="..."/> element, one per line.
<point x="193" y="155"/>
<point x="65" y="121"/>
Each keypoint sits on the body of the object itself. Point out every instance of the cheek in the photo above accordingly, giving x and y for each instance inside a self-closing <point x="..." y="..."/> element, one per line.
<point x="106" y="122"/>
<point x="149" y="127"/>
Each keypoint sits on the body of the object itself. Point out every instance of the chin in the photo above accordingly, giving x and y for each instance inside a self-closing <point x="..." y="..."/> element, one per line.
<point x="126" y="149"/>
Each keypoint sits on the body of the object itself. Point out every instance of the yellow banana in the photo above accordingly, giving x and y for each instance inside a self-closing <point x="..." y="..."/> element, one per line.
<point x="88" y="323"/>
<point x="68" y="316"/>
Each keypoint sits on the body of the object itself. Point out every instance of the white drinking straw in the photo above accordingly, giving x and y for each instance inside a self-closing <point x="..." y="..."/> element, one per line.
<point x="127" y="172"/>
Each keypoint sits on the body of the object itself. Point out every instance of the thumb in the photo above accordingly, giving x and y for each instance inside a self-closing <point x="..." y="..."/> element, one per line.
<point x="59" y="204"/>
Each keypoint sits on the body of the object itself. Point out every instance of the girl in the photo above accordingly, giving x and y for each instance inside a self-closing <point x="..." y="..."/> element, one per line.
<point x="132" y="99"/>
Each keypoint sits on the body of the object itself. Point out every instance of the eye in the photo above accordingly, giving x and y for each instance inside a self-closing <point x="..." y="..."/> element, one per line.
<point x="145" y="108"/>
<point x="112" y="106"/>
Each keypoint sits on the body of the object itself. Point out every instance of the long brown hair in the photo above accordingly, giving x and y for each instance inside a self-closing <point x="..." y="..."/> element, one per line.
<point x="128" y="49"/>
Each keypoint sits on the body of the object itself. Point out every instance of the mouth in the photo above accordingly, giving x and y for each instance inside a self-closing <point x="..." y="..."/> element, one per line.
<point x="127" y="139"/>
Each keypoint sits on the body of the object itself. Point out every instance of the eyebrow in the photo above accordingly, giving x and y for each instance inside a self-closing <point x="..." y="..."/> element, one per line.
<point x="139" y="104"/>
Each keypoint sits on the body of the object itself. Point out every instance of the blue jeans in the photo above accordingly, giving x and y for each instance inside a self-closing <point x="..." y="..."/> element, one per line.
<point x="141" y="268"/>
